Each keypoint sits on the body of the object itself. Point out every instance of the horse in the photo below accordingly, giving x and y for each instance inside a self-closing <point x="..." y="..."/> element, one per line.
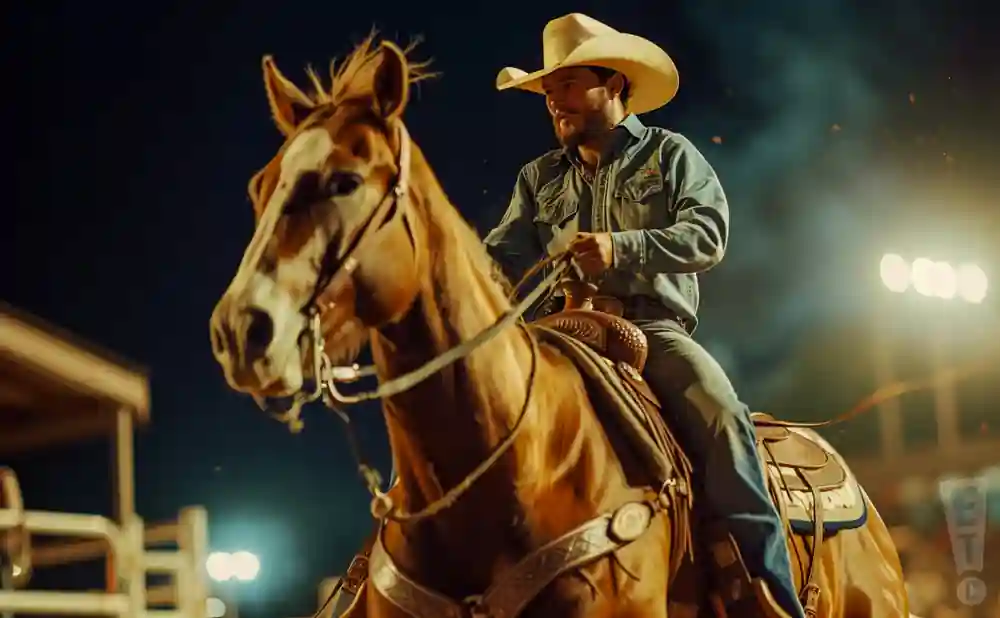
<point x="512" y="498"/>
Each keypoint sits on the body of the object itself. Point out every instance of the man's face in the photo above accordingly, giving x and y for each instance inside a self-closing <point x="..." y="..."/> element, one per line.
<point x="578" y="101"/>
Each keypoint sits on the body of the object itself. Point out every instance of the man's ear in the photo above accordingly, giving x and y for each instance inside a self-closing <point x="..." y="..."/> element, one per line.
<point x="392" y="82"/>
<point x="289" y="105"/>
<point x="616" y="85"/>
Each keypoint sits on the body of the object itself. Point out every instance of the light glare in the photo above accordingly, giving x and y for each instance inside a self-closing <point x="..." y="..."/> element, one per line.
<point x="923" y="276"/>
<point x="245" y="566"/>
<point x="895" y="272"/>
<point x="214" y="608"/>
<point x="945" y="284"/>
<point x="972" y="283"/>
<point x="219" y="567"/>
<point x="933" y="278"/>
<point x="224" y="566"/>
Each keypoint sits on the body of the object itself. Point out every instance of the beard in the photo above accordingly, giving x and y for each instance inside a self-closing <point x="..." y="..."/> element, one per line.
<point x="594" y="125"/>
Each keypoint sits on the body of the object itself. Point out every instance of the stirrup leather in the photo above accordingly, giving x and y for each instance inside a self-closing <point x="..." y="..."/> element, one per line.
<point x="735" y="593"/>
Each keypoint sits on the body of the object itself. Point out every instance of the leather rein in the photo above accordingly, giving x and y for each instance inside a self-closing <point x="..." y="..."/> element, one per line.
<point x="326" y="376"/>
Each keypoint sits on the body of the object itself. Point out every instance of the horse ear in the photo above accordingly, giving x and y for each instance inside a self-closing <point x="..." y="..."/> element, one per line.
<point x="392" y="81"/>
<point x="289" y="105"/>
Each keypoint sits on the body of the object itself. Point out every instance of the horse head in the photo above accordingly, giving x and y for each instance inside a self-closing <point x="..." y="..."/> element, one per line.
<point x="334" y="198"/>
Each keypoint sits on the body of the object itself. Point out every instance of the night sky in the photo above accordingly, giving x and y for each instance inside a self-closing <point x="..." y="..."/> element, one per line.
<point x="840" y="129"/>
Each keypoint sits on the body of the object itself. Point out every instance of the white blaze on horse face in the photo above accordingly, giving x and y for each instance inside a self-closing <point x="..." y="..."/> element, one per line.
<point x="307" y="153"/>
<point x="279" y="287"/>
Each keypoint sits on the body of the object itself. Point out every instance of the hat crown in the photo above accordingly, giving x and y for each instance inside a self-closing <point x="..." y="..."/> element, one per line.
<point x="565" y="34"/>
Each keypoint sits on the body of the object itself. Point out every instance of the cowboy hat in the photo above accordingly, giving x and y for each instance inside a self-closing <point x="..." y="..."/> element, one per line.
<point x="578" y="40"/>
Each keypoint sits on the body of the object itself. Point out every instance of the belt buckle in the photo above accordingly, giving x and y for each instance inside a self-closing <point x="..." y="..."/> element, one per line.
<point x="356" y="574"/>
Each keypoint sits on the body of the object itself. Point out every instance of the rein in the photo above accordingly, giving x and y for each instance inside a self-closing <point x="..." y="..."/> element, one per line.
<point x="326" y="375"/>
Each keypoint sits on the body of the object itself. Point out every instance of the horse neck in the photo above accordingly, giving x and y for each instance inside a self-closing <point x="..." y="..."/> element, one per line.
<point x="442" y="429"/>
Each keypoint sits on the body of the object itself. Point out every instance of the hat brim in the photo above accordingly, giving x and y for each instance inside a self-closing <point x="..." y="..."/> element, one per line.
<point x="652" y="74"/>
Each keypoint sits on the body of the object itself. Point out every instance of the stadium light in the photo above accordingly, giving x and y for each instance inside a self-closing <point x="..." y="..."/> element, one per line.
<point x="934" y="279"/>
<point x="215" y="608"/>
<point x="224" y="566"/>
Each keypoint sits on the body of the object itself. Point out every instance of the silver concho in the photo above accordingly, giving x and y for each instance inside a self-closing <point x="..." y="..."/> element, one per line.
<point x="630" y="521"/>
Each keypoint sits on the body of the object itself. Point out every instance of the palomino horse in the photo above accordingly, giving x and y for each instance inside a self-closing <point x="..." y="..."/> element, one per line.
<point x="512" y="498"/>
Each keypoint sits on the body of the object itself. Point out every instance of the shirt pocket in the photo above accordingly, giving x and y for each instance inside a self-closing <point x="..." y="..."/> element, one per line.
<point x="556" y="217"/>
<point x="641" y="202"/>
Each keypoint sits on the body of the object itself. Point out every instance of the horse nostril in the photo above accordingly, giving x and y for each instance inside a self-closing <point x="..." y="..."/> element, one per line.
<point x="260" y="331"/>
<point x="218" y="341"/>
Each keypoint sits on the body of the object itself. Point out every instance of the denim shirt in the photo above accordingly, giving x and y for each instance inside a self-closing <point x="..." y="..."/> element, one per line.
<point x="653" y="191"/>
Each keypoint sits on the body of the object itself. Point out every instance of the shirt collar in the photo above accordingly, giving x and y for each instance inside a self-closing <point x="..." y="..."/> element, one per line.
<point x="623" y="135"/>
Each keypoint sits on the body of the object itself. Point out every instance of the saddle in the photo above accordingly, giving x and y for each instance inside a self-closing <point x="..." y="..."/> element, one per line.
<point x="805" y="463"/>
<point x="611" y="336"/>
<point x="597" y="321"/>
<point x="813" y="466"/>
<point x="802" y="471"/>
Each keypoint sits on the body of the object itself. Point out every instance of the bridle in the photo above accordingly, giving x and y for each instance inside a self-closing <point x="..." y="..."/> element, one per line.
<point x="326" y="376"/>
<point x="330" y="284"/>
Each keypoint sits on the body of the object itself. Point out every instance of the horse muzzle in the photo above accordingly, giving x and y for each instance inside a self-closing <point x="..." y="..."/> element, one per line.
<point x="255" y="336"/>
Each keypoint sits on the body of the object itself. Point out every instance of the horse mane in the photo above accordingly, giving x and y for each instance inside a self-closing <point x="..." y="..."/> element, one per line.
<point x="354" y="78"/>
<point x="455" y="251"/>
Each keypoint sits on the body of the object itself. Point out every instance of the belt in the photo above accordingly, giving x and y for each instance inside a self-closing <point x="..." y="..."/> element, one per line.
<point x="641" y="307"/>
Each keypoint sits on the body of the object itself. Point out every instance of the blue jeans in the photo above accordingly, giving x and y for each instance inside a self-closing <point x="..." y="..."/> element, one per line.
<point x="715" y="427"/>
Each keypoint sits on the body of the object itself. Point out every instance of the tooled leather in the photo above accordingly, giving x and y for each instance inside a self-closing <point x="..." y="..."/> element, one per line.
<point x="583" y="328"/>
<point x="613" y="337"/>
<point x="405" y="593"/>
<point x="512" y="592"/>
<point x="517" y="587"/>
<point x="609" y="335"/>
<point x="631" y="338"/>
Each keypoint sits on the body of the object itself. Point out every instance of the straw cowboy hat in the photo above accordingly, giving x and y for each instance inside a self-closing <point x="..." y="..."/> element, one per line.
<point x="579" y="40"/>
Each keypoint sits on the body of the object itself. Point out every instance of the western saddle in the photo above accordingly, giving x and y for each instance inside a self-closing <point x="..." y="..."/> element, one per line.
<point x="802" y="464"/>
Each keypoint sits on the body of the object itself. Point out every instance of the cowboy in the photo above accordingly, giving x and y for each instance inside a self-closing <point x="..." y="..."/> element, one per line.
<point x="643" y="214"/>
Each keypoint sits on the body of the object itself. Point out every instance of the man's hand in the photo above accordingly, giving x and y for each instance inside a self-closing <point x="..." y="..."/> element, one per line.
<point x="593" y="253"/>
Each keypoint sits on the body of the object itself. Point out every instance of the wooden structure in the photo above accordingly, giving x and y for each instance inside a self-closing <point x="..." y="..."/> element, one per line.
<point x="56" y="390"/>
<point x="951" y="454"/>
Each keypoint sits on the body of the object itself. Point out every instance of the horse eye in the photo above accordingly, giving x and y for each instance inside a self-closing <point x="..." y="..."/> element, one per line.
<point x="341" y="184"/>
